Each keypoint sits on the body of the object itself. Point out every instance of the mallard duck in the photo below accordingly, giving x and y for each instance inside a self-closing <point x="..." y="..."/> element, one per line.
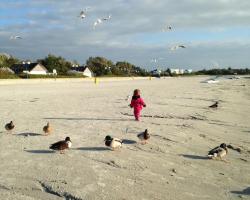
<point x="47" y="129"/>
<point x="9" y="126"/>
<point x="215" y="105"/>
<point x="144" y="136"/>
<point x="218" y="152"/>
<point x="113" y="143"/>
<point x="61" y="145"/>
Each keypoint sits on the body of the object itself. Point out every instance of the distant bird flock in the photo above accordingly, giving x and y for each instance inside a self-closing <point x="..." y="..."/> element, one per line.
<point x="83" y="14"/>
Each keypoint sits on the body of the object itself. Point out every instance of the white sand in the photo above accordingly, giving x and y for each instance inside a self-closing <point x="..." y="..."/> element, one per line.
<point x="88" y="112"/>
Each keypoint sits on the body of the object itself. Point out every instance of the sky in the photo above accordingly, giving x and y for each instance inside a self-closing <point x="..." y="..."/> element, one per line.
<point x="216" y="33"/>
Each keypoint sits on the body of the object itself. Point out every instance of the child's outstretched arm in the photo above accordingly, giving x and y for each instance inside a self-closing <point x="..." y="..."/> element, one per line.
<point x="131" y="104"/>
<point x="143" y="103"/>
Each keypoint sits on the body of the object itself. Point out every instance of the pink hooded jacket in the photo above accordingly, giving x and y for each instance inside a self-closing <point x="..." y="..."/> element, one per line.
<point x="137" y="103"/>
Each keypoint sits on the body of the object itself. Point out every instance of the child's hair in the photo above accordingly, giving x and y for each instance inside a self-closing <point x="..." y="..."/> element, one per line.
<point x="137" y="92"/>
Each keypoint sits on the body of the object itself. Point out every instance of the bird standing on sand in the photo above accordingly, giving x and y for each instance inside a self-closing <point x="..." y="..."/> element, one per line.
<point x="215" y="105"/>
<point x="61" y="145"/>
<point x="9" y="126"/>
<point x="113" y="143"/>
<point x="47" y="129"/>
<point x="218" y="152"/>
<point x="144" y="136"/>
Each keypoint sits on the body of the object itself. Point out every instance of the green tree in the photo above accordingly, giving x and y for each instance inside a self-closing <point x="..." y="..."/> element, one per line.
<point x="7" y="61"/>
<point x="100" y="65"/>
<point x="56" y="62"/>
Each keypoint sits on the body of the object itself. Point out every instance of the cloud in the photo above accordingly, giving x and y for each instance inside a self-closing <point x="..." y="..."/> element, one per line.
<point x="213" y="30"/>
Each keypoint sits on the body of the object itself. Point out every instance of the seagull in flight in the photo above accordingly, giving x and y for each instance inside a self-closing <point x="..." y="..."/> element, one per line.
<point x="97" y="22"/>
<point x="83" y="13"/>
<point x="168" y="28"/>
<point x="107" y="18"/>
<point x="101" y="20"/>
<point x="155" y="60"/>
<point x="177" y="47"/>
<point x="15" y="37"/>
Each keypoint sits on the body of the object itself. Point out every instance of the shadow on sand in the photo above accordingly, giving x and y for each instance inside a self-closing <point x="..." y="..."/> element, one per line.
<point x="40" y="151"/>
<point x="243" y="192"/>
<point x="91" y="148"/>
<point x="87" y="119"/>
<point x="29" y="134"/>
<point x="195" y="157"/>
<point x="127" y="141"/>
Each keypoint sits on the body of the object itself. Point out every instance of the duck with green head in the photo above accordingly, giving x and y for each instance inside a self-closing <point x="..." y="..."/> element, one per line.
<point x="113" y="143"/>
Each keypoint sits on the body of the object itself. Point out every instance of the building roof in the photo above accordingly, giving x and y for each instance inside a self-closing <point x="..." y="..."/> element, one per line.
<point x="6" y="69"/>
<point x="18" y="68"/>
<point x="80" y="68"/>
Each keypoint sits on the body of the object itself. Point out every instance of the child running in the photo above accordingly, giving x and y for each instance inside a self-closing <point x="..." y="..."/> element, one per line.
<point x="137" y="103"/>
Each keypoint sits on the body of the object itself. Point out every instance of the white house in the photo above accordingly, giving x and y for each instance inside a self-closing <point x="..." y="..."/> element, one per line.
<point x="177" y="71"/>
<point x="156" y="72"/>
<point x="181" y="71"/>
<point x="30" y="68"/>
<point x="188" y="71"/>
<point x="85" y="71"/>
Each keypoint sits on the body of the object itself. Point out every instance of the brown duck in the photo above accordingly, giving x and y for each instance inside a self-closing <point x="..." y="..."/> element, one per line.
<point x="144" y="136"/>
<point x="9" y="126"/>
<point x="215" y="105"/>
<point x="47" y="129"/>
<point x="61" y="145"/>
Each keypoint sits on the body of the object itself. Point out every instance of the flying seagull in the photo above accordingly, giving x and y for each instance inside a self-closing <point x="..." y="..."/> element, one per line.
<point x="15" y="37"/>
<point x="177" y="47"/>
<point x="155" y="60"/>
<point x="168" y="28"/>
<point x="106" y="18"/>
<point x="83" y="13"/>
<point x="97" y="22"/>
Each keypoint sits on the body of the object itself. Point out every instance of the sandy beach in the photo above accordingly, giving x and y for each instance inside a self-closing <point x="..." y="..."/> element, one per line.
<point x="172" y="166"/>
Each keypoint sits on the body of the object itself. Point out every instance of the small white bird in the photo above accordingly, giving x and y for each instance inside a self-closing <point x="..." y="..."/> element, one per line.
<point x="15" y="37"/>
<point x="177" y="47"/>
<point x="97" y="22"/>
<point x="107" y="18"/>
<point x="154" y="60"/>
<point x="168" y="28"/>
<point x="82" y="14"/>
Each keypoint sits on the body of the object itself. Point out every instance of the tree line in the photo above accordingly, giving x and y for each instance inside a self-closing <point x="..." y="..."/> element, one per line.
<point x="100" y="66"/>
<point x="228" y="71"/>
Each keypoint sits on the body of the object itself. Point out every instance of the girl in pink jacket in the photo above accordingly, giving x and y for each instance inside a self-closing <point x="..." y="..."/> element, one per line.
<point x="137" y="103"/>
